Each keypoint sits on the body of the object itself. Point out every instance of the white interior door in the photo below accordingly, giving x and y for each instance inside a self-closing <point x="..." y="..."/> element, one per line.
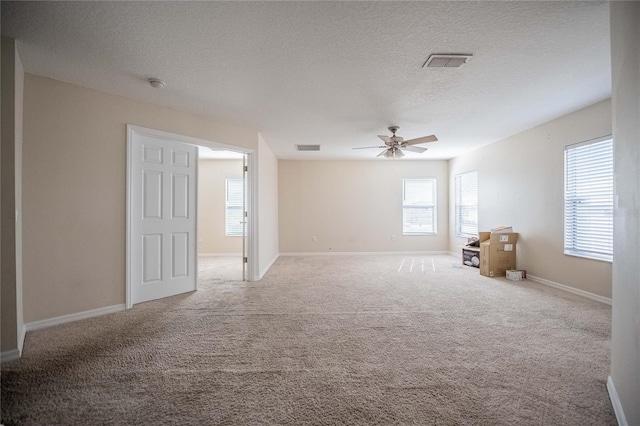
<point x="163" y="183"/>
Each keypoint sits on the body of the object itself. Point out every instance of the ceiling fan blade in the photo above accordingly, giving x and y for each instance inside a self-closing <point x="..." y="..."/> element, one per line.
<point x="424" y="139"/>
<point x="386" y="139"/>
<point x="414" y="149"/>
<point x="368" y="147"/>
<point x="382" y="153"/>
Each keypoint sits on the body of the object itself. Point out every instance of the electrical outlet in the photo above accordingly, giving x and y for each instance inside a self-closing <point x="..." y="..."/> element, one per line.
<point x="393" y="238"/>
<point x="314" y="238"/>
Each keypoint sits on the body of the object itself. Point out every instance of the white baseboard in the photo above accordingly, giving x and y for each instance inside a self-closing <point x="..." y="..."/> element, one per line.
<point x="14" y="354"/>
<point x="570" y="289"/>
<point x="10" y="355"/>
<point x="615" y="401"/>
<point x="364" y="253"/>
<point x="266" y="268"/>
<point x="21" y="336"/>
<point x="37" y="325"/>
<point x="219" y="254"/>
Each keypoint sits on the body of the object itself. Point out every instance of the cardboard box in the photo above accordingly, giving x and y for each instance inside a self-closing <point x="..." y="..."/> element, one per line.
<point x="471" y="256"/>
<point x="497" y="253"/>
<point x="502" y="230"/>
<point x="516" y="274"/>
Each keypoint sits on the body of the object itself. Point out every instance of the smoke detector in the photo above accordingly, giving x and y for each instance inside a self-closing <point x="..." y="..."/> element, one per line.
<point x="441" y="60"/>
<point x="156" y="83"/>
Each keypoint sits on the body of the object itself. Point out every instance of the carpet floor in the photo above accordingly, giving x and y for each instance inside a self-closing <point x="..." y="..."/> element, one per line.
<point x="323" y="340"/>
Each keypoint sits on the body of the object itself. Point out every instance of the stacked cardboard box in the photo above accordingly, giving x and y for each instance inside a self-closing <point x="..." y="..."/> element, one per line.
<point x="471" y="256"/>
<point x="516" y="275"/>
<point x="497" y="253"/>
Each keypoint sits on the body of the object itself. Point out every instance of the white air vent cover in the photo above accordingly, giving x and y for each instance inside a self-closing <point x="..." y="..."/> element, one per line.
<point x="308" y="147"/>
<point x="438" y="60"/>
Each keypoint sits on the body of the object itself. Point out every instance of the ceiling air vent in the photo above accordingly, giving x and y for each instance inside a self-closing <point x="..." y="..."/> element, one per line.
<point x="308" y="147"/>
<point x="438" y="60"/>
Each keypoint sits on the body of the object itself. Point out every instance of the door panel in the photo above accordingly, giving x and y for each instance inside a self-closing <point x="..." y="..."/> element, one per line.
<point x="180" y="255"/>
<point x="163" y="222"/>
<point x="180" y="158"/>
<point x="152" y="154"/>
<point x="180" y="196"/>
<point x="152" y="260"/>
<point x="152" y="194"/>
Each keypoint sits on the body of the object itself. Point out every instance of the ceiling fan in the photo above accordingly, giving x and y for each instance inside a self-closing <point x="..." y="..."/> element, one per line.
<point x="393" y="145"/>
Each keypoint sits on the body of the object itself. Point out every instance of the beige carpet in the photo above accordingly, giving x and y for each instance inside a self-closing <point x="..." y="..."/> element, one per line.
<point x="226" y="268"/>
<point x="326" y="340"/>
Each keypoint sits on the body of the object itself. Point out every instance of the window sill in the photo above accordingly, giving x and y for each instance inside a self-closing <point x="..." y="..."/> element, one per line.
<point x="608" y="259"/>
<point x="467" y="235"/>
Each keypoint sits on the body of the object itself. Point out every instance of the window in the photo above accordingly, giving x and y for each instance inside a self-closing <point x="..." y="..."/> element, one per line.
<point x="234" y="207"/>
<point x="588" y="199"/>
<point x="419" y="206"/>
<point x="467" y="204"/>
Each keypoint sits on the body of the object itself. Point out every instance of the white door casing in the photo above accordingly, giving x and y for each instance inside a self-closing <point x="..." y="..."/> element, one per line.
<point x="163" y="185"/>
<point x="244" y="217"/>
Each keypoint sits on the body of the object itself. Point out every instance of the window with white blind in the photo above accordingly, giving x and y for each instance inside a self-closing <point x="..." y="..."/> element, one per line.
<point x="419" y="206"/>
<point x="467" y="204"/>
<point x="234" y="207"/>
<point x="588" y="199"/>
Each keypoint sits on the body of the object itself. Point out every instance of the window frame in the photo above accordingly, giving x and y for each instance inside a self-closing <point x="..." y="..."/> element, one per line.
<point x="458" y="203"/>
<point x="433" y="206"/>
<point x="228" y="231"/>
<point x="571" y="198"/>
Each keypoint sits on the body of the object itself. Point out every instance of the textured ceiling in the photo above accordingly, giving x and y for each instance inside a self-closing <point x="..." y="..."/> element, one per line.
<point x="331" y="73"/>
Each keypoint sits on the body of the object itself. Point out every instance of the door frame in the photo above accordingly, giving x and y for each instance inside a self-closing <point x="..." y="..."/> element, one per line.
<point x="251" y="206"/>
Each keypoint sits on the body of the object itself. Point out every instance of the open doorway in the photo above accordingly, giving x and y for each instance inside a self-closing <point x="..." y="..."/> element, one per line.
<point x="222" y="191"/>
<point x="162" y="223"/>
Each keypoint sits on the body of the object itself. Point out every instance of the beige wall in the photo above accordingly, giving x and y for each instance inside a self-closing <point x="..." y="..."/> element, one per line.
<point x="75" y="186"/>
<point x="11" y="206"/>
<point x="353" y="206"/>
<point x="521" y="183"/>
<point x="211" y="206"/>
<point x="625" y="339"/>
<point x="267" y="206"/>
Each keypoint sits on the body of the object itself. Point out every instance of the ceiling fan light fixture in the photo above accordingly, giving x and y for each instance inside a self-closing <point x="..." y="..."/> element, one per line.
<point x="393" y="153"/>
<point x="394" y="145"/>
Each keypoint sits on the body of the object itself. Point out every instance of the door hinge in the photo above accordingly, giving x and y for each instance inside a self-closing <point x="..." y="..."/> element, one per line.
<point x="246" y="214"/>
<point x="246" y="168"/>
<point x="245" y="259"/>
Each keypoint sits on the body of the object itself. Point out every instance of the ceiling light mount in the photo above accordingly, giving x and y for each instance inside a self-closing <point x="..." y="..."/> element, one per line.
<point x="156" y="83"/>
<point x="445" y="60"/>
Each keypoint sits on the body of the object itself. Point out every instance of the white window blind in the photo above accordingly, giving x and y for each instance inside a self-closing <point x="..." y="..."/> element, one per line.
<point x="419" y="206"/>
<point x="234" y="207"/>
<point x="588" y="199"/>
<point x="467" y="204"/>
